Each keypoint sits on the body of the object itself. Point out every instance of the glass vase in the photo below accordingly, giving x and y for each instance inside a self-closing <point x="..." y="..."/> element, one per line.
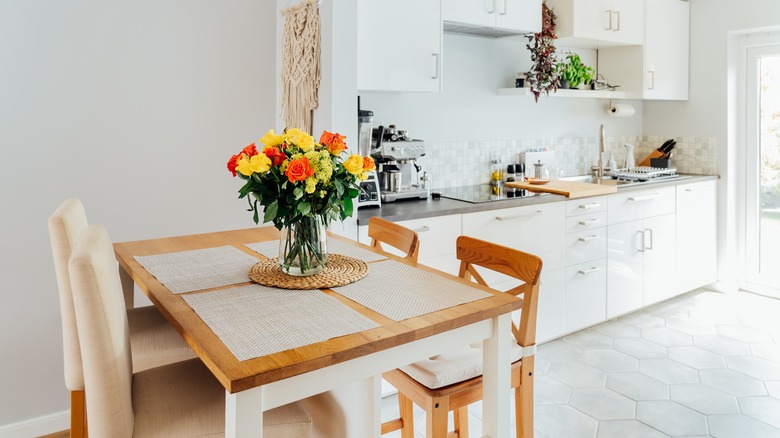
<point x="303" y="247"/>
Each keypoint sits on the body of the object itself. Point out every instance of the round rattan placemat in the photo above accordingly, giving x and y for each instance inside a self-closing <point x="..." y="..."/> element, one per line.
<point x="341" y="270"/>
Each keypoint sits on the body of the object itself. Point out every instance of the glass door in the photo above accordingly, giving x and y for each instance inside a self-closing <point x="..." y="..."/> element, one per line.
<point x="762" y="170"/>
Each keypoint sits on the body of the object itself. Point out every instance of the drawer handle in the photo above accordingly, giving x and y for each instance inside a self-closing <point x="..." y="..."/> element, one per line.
<point x="589" y="206"/>
<point x="688" y="190"/>
<point x="588" y="239"/>
<point x="588" y="271"/>
<point x="643" y="198"/>
<point x="422" y="229"/>
<point x="589" y="221"/>
<point x="517" y="217"/>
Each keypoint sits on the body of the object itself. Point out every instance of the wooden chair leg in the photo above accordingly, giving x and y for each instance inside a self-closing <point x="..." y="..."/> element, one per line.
<point x="461" y="417"/>
<point x="406" y="408"/>
<point x="524" y="400"/>
<point x="436" y="414"/>
<point x="78" y="414"/>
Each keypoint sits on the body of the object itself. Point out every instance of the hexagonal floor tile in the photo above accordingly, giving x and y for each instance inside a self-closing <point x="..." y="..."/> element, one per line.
<point x="715" y="315"/>
<point x="697" y="358"/>
<point x="617" y="329"/>
<point x="773" y="387"/>
<point x="564" y="421"/>
<point x="732" y="382"/>
<point x="639" y="348"/>
<point x="643" y="320"/>
<point x="720" y="345"/>
<point x="638" y="386"/>
<point x="744" y="334"/>
<point x="541" y="366"/>
<point x="766" y="351"/>
<point x="668" y="371"/>
<point x="602" y="403"/>
<point x="548" y="391"/>
<point x="559" y="351"/>
<point x="667" y="337"/>
<point x="729" y="426"/>
<point x="610" y="361"/>
<point x="704" y="399"/>
<point x="761" y="369"/>
<point x="588" y="339"/>
<point x="577" y="374"/>
<point x="691" y="326"/>
<point x="627" y="428"/>
<point x="671" y="418"/>
<point x="766" y="409"/>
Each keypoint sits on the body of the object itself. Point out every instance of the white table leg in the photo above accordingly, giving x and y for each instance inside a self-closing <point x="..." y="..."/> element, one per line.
<point x="244" y="413"/>
<point x="496" y="379"/>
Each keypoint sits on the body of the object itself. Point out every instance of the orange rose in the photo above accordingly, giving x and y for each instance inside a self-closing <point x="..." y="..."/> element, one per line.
<point x="299" y="170"/>
<point x="250" y="150"/>
<point x="368" y="164"/>
<point x="334" y="142"/>
<point x="276" y="156"/>
<point x="232" y="163"/>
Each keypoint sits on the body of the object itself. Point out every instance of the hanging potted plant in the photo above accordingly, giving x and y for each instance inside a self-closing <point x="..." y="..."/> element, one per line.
<point x="543" y="76"/>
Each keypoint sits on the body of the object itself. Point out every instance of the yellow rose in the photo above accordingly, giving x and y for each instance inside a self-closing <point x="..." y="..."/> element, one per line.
<point x="354" y="164"/>
<point x="300" y="139"/>
<point x="270" y="139"/>
<point x="259" y="163"/>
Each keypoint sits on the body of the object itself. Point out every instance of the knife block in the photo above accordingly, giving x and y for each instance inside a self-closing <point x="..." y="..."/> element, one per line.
<point x="661" y="163"/>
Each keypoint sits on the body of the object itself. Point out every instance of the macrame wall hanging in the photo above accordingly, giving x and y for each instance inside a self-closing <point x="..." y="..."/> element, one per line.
<point x="300" y="64"/>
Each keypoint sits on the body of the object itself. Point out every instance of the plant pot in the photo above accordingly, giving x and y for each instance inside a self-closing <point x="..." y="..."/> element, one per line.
<point x="303" y="247"/>
<point x="564" y="84"/>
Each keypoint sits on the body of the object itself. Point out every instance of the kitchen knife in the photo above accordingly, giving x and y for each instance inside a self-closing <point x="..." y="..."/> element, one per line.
<point x="668" y="150"/>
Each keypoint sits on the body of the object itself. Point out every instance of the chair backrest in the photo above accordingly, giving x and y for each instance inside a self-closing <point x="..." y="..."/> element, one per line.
<point x="65" y="227"/>
<point x="508" y="261"/>
<point x="103" y="334"/>
<point x="401" y="238"/>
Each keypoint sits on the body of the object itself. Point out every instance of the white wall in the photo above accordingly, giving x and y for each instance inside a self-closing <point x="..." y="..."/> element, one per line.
<point x="714" y="24"/>
<point x="134" y="107"/>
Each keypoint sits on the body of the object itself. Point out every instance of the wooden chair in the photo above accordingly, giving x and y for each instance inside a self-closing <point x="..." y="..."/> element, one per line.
<point x="452" y="381"/>
<point x="401" y="238"/>
<point x="154" y="341"/>
<point x="179" y="399"/>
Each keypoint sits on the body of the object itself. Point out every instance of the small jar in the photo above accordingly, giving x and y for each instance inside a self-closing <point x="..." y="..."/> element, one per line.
<point x="510" y="173"/>
<point x="496" y="172"/>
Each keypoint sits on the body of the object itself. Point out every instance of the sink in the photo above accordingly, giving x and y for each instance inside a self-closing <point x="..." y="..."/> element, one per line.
<point x="608" y="181"/>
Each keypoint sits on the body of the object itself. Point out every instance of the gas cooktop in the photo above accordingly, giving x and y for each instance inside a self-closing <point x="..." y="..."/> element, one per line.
<point x="478" y="194"/>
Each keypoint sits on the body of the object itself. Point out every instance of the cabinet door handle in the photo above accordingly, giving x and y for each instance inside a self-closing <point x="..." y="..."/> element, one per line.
<point x="588" y="271"/>
<point x="436" y="66"/>
<point x="504" y="13"/>
<point x="643" y="198"/>
<point x="588" y="239"/>
<point x="650" y="80"/>
<point x="422" y="229"/>
<point x="616" y="28"/>
<point x="642" y="246"/>
<point x="517" y="217"/>
<point x="609" y="20"/>
<point x="589" y="206"/>
<point x="651" y="237"/>
<point x="588" y="221"/>
<point x="490" y="5"/>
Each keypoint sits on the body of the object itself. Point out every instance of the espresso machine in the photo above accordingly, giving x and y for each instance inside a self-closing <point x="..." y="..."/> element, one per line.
<point x="396" y="156"/>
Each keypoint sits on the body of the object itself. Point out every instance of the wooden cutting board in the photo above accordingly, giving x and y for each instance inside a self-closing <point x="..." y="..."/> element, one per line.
<point x="569" y="189"/>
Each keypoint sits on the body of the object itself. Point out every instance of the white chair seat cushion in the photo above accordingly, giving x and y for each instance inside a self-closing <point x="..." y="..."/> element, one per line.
<point x="153" y="341"/>
<point x="454" y="366"/>
<point x="185" y="400"/>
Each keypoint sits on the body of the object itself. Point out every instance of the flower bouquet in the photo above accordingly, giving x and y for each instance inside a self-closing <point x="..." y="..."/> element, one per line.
<point x="302" y="186"/>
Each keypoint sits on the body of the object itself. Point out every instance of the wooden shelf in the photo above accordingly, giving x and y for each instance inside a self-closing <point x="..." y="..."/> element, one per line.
<point x="592" y="94"/>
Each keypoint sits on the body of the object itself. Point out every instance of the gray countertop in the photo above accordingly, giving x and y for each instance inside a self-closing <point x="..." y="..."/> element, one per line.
<point x="425" y="208"/>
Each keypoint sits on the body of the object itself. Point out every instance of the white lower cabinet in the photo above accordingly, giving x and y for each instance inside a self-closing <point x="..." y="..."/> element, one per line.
<point x="696" y="235"/>
<point x="586" y="294"/>
<point x="551" y="309"/>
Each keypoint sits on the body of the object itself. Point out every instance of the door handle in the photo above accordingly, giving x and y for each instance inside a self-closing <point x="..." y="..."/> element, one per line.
<point x="609" y="20"/>
<point x="436" y="66"/>
<point x="650" y="80"/>
<point x="588" y="271"/>
<point x="422" y="229"/>
<point x="642" y="246"/>
<point x="651" y="237"/>
<point x="588" y="221"/>
<point x="517" y="217"/>
<point x="588" y="239"/>
<point x="490" y="5"/>
<point x="616" y="28"/>
<point x="504" y="13"/>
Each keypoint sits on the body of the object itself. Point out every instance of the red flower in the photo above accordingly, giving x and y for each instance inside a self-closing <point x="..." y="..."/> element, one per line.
<point x="250" y="150"/>
<point x="232" y="163"/>
<point x="299" y="170"/>
<point x="277" y="157"/>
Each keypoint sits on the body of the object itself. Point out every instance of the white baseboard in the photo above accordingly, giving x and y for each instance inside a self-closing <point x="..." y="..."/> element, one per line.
<point x="35" y="427"/>
<point x="724" y="287"/>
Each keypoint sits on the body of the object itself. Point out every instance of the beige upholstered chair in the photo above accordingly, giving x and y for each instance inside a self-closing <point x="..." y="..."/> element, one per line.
<point x="401" y="238"/>
<point x="453" y="380"/>
<point x="180" y="399"/>
<point x="154" y="341"/>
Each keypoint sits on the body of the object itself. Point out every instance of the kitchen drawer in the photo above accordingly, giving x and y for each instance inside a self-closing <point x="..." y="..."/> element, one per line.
<point x="586" y="221"/>
<point x="437" y="235"/>
<point x="586" y="294"/>
<point x="628" y="206"/>
<point x="535" y="229"/>
<point x="595" y="204"/>
<point x="586" y="246"/>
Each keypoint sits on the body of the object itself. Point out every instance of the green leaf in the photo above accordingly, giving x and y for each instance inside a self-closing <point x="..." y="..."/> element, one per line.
<point x="347" y="207"/>
<point x="304" y="208"/>
<point x="353" y="192"/>
<point x="270" y="211"/>
<point x="255" y="216"/>
<point x="298" y="192"/>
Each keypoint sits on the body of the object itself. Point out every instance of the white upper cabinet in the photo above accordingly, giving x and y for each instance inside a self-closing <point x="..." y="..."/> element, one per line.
<point x="658" y="70"/>
<point x="598" y="23"/>
<point x="492" y="17"/>
<point x="399" y="45"/>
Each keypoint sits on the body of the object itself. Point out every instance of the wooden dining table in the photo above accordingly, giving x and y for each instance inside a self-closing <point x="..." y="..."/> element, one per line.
<point x="262" y="383"/>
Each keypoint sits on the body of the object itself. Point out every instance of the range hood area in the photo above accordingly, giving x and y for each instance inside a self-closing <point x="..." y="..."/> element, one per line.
<point x="467" y="29"/>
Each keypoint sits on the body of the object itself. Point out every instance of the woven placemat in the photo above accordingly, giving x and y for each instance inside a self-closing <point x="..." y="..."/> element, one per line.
<point x="341" y="270"/>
